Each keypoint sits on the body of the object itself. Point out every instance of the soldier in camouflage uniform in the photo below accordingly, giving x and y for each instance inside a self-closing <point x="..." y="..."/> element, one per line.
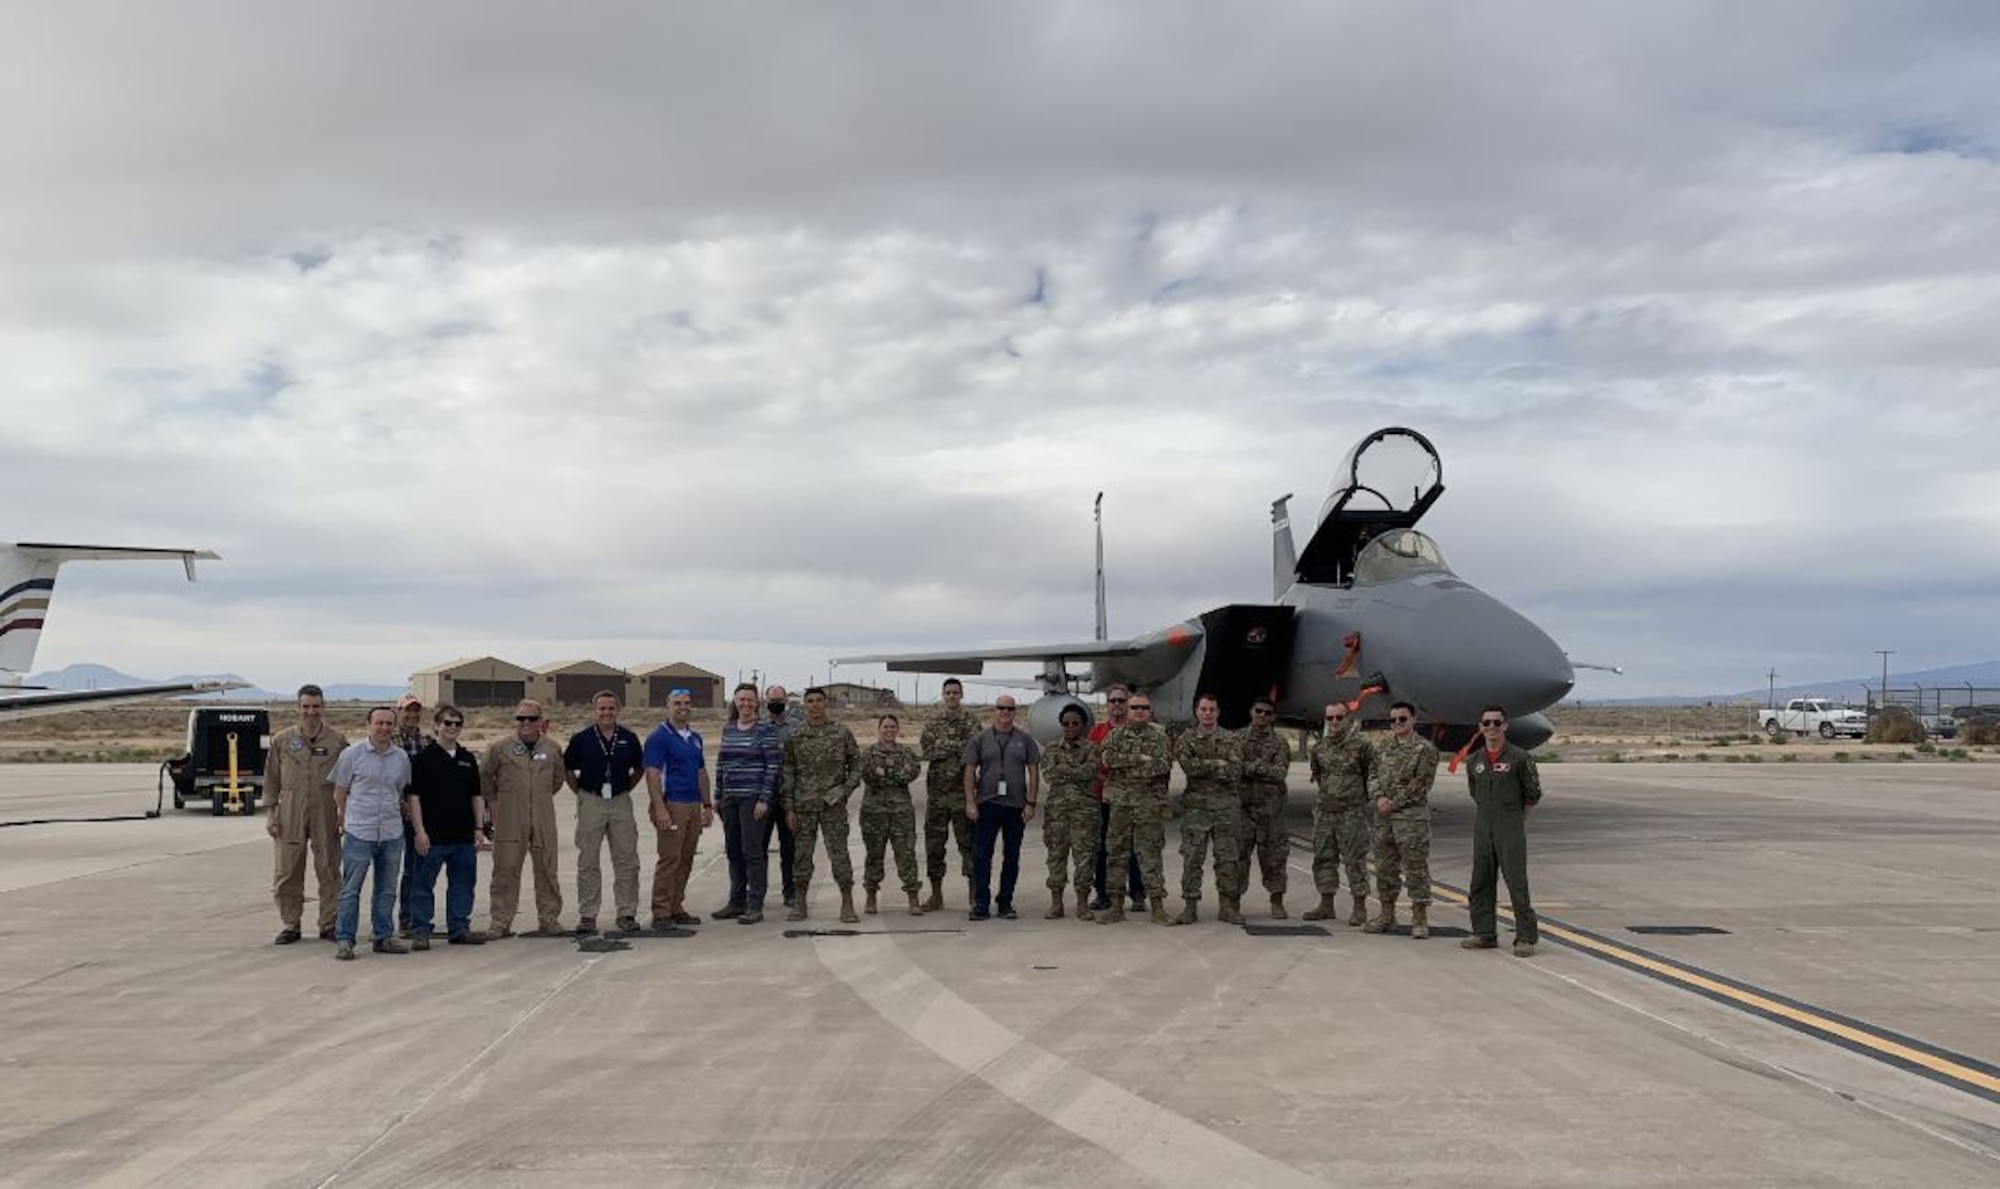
<point x="1267" y="767"/>
<point x="943" y="745"/>
<point x="1211" y="812"/>
<point x="1138" y="764"/>
<point x="1069" y="808"/>
<point x="887" y="815"/>
<point x="822" y="768"/>
<point x="1402" y="771"/>
<point x="1343" y="819"/>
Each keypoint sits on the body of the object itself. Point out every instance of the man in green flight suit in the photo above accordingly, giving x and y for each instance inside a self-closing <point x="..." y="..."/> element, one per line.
<point x="1505" y="789"/>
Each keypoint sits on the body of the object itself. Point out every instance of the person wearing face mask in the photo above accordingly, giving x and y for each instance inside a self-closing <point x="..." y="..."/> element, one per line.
<point x="1402" y="772"/>
<point x="1505" y="788"/>
<point x="520" y="776"/>
<point x="781" y="719"/>
<point x="1343" y="824"/>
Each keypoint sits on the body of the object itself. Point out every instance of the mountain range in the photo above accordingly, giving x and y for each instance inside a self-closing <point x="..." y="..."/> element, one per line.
<point x="1984" y="675"/>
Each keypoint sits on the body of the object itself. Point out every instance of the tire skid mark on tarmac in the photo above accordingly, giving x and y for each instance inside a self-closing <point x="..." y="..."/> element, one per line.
<point x="1907" y="1053"/>
<point x="1170" y="1149"/>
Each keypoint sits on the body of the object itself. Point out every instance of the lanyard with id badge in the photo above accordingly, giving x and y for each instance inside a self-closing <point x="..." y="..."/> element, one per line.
<point x="610" y="756"/>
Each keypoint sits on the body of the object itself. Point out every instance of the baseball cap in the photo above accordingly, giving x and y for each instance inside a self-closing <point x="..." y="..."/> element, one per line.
<point x="407" y="701"/>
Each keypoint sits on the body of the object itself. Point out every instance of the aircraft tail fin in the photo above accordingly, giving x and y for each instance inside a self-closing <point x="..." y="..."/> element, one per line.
<point x="28" y="583"/>
<point x="1284" y="555"/>
<point x="1103" y="622"/>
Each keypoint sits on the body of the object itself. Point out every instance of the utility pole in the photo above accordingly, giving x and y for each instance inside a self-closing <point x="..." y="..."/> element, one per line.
<point x="1885" y="654"/>
<point x="1771" y="698"/>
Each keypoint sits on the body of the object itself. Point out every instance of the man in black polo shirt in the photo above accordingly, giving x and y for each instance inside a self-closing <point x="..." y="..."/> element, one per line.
<point x="603" y="763"/>
<point x="447" y="811"/>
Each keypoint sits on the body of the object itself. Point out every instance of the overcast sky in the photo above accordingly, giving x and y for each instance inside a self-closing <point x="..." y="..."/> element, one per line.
<point x="751" y="335"/>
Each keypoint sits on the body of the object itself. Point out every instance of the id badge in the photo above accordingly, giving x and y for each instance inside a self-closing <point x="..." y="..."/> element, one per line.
<point x="1003" y="788"/>
<point x="606" y="792"/>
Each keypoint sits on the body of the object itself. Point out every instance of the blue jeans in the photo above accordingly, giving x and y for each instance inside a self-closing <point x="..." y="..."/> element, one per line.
<point x="357" y="856"/>
<point x="460" y="863"/>
<point x="410" y="857"/>
<point x="1004" y="824"/>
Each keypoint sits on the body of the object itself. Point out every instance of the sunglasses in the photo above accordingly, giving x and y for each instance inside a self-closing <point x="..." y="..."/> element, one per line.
<point x="1399" y="718"/>
<point x="1492" y="722"/>
<point x="1146" y="706"/>
<point x="1117" y="701"/>
<point x="451" y="722"/>
<point x="527" y="718"/>
<point x="1006" y="709"/>
<point x="1260" y="710"/>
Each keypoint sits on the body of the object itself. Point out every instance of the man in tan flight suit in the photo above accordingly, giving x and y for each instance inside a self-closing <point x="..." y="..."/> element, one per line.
<point x="299" y="812"/>
<point x="522" y="776"/>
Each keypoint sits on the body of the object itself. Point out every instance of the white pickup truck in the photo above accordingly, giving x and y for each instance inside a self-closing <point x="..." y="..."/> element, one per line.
<point x="1803" y="716"/>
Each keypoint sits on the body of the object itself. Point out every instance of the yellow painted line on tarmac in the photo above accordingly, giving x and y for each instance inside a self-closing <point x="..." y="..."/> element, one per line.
<point x="1917" y="1056"/>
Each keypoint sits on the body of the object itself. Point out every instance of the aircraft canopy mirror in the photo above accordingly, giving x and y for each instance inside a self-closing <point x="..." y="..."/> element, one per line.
<point x="1398" y="554"/>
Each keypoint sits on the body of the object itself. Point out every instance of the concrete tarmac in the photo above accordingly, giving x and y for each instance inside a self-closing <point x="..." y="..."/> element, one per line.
<point x="150" y="1034"/>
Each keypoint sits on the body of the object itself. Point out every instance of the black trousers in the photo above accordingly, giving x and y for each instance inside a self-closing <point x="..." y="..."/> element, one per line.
<point x="1134" y="886"/>
<point x="1500" y="850"/>
<point x="747" y="843"/>
<point x="786" y="847"/>
<point x="1005" y="824"/>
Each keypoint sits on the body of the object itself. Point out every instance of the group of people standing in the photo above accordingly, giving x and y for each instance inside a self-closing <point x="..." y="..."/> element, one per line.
<point x="423" y="805"/>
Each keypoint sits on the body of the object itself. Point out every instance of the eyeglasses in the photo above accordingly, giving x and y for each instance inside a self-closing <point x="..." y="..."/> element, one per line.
<point x="1006" y="709"/>
<point x="527" y="718"/>
<point x="1117" y="701"/>
<point x="1492" y="722"/>
<point x="451" y="722"/>
<point x="1399" y="718"/>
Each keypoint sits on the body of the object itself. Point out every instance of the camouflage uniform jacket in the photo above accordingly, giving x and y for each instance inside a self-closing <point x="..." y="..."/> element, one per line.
<point x="1070" y="769"/>
<point x="1267" y="759"/>
<point x="1340" y="767"/>
<point x="1137" y="763"/>
<point x="1213" y="762"/>
<point x="887" y="769"/>
<point x="944" y="739"/>
<point x="822" y="764"/>
<point x="1508" y="782"/>
<point x="1403" y="771"/>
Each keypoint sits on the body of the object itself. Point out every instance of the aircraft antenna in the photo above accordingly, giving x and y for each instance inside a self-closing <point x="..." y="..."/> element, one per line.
<point x="1103" y="624"/>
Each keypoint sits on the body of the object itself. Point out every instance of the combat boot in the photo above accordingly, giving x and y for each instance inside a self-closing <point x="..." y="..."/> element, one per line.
<point x="870" y="908"/>
<point x="1160" y="916"/>
<point x="1231" y="912"/>
<point x="1360" y="914"/>
<point x="916" y="905"/>
<point x="1188" y="914"/>
<point x="1083" y="910"/>
<point x="1278" y="907"/>
<point x="1384" y="921"/>
<point x="1324" y="912"/>
<point x="1055" y="911"/>
<point x="847" y="913"/>
<point x="1112" y="915"/>
<point x="936" y="902"/>
<point x="798" y="912"/>
<point x="1420" y="921"/>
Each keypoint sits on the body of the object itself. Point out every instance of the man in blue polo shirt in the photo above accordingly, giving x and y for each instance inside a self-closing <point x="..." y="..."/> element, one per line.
<point x="603" y="763"/>
<point x="682" y="807"/>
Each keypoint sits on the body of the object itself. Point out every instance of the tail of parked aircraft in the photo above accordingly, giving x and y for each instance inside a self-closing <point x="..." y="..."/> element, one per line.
<point x="28" y="583"/>
<point x="1284" y="555"/>
<point x="1103" y="623"/>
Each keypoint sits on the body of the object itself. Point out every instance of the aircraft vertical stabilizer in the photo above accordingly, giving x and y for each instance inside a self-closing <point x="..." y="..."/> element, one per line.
<point x="28" y="583"/>
<point x="1284" y="555"/>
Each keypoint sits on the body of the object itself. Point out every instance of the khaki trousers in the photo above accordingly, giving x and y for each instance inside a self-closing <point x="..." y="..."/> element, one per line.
<point x="675" y="863"/>
<point x="306" y="818"/>
<point x="596" y="820"/>
<point x="524" y="826"/>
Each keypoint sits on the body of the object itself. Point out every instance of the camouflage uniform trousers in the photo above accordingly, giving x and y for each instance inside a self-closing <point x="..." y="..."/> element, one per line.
<point x="889" y="821"/>
<point x="815" y="819"/>
<point x="1342" y="834"/>
<point x="944" y="817"/>
<point x="1069" y="832"/>
<point x="1211" y="818"/>
<point x="1403" y="855"/>
<point x="1264" y="832"/>
<point x="1140" y="828"/>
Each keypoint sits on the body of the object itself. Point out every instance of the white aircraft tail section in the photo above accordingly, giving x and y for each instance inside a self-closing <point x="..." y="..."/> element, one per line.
<point x="28" y="584"/>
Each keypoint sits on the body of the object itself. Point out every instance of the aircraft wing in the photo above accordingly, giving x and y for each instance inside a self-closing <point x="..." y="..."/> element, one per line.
<point x="58" y="701"/>
<point x="971" y="662"/>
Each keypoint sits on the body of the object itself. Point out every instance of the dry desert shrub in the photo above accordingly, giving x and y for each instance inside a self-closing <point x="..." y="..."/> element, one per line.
<point x="1895" y="725"/>
<point x="1979" y="732"/>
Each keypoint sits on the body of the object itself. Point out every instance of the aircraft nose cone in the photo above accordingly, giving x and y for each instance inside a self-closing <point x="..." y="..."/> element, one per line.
<point x="1473" y="650"/>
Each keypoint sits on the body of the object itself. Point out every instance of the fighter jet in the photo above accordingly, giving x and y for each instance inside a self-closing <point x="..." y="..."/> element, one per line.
<point x="27" y="587"/>
<point x="1368" y="614"/>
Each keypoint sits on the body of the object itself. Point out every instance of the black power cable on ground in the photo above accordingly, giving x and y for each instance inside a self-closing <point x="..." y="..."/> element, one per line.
<point x="159" y="804"/>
